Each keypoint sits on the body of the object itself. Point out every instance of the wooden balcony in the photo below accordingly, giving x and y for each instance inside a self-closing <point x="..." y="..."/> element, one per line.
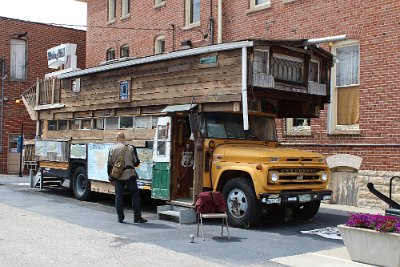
<point x="284" y="69"/>
<point x="45" y="94"/>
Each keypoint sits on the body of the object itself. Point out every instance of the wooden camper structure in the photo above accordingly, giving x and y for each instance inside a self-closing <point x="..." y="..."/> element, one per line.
<point x="285" y="77"/>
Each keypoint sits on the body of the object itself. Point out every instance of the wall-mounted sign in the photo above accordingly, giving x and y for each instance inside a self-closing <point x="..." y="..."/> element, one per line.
<point x="63" y="54"/>
<point x="124" y="90"/>
<point x="208" y="60"/>
<point x="76" y="85"/>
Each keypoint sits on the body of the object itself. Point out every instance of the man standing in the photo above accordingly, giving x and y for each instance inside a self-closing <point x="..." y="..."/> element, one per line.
<point x="127" y="179"/>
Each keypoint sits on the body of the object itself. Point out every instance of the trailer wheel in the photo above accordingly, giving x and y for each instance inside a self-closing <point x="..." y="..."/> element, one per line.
<point x="81" y="184"/>
<point x="243" y="208"/>
<point x="306" y="211"/>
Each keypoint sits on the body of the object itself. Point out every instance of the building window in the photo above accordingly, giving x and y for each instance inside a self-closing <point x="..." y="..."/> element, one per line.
<point x="52" y="125"/>
<point x="74" y="124"/>
<point x="192" y="13"/>
<point x="111" y="10"/>
<point x="159" y="3"/>
<point x="298" y="126"/>
<point x="124" y="51"/>
<point x="62" y="125"/>
<point x="98" y="124"/>
<point x="346" y="73"/>
<point x="259" y="4"/>
<point x="18" y="59"/>
<point x="159" y="45"/>
<point x="125" y="122"/>
<point x="110" y="55"/>
<point x="111" y="123"/>
<point x="86" y="124"/>
<point x="314" y="73"/>
<point x="126" y="8"/>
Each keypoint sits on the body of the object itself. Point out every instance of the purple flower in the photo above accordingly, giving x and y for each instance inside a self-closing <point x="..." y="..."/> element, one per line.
<point x="377" y="222"/>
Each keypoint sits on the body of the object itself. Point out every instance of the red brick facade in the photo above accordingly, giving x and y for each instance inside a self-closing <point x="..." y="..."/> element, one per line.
<point x="375" y="25"/>
<point x="39" y="38"/>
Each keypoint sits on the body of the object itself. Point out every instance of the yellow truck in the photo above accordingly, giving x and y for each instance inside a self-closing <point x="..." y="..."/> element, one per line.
<point x="202" y="119"/>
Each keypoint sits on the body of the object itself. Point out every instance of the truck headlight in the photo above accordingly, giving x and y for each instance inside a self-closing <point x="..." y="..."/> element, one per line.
<point x="324" y="176"/>
<point x="274" y="177"/>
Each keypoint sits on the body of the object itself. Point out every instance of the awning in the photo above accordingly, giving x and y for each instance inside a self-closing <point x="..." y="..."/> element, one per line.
<point x="179" y="108"/>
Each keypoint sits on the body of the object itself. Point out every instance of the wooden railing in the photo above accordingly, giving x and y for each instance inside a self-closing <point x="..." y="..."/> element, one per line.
<point x="44" y="92"/>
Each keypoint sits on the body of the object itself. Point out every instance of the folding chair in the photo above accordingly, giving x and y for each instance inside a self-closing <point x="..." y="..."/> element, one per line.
<point x="211" y="205"/>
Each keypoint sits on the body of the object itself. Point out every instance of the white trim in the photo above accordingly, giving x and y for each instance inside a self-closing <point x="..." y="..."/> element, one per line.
<point x="333" y="127"/>
<point x="255" y="8"/>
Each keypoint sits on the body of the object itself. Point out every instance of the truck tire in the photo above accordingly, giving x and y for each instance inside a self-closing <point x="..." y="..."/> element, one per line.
<point x="81" y="184"/>
<point x="243" y="207"/>
<point x="306" y="211"/>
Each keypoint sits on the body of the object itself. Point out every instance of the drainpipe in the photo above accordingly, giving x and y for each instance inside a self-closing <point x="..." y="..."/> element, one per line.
<point x="326" y="39"/>
<point x="244" y="90"/>
<point x="3" y="77"/>
<point x="219" y="21"/>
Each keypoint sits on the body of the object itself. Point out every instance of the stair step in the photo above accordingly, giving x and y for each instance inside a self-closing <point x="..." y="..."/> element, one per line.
<point x="175" y="213"/>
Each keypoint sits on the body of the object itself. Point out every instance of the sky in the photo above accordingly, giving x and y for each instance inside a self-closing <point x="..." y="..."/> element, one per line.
<point x="46" y="11"/>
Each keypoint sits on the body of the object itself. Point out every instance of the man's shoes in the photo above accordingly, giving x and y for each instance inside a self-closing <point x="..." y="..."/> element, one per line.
<point x="121" y="220"/>
<point x="139" y="220"/>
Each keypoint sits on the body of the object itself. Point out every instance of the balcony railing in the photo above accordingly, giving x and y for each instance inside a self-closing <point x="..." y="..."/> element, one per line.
<point x="285" y="73"/>
<point x="45" y="94"/>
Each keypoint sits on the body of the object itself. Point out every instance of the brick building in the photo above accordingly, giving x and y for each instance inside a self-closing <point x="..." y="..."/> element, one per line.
<point x="362" y="120"/>
<point x="23" y="49"/>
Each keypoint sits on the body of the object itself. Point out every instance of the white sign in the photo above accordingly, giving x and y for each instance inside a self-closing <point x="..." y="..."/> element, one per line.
<point x="63" y="54"/>
<point x="97" y="161"/>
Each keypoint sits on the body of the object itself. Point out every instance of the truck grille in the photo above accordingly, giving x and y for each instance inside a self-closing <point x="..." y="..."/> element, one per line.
<point x="298" y="175"/>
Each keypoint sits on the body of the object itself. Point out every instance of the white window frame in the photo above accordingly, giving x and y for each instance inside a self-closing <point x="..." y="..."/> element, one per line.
<point x="123" y="48"/>
<point x="297" y="130"/>
<point x="157" y="44"/>
<point x="333" y="127"/>
<point x="109" y="50"/>
<point x="159" y="3"/>
<point x="125" y="9"/>
<point x="253" y="6"/>
<point x="111" y="10"/>
<point x="18" y="59"/>
<point x="188" y="15"/>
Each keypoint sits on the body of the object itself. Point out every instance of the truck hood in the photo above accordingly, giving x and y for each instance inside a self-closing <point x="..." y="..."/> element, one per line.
<point x="264" y="154"/>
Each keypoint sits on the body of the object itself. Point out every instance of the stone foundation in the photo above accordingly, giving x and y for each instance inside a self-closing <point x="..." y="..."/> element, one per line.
<point x="350" y="188"/>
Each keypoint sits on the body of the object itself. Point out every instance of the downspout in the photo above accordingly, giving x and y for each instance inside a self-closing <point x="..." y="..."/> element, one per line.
<point x="211" y="24"/>
<point x="244" y="90"/>
<point x="3" y="76"/>
<point x="219" y="21"/>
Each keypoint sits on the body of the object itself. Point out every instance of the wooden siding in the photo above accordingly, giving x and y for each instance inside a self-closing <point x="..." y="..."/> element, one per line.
<point x="178" y="81"/>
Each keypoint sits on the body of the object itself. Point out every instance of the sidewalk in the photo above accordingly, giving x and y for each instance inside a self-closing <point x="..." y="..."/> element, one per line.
<point x="338" y="257"/>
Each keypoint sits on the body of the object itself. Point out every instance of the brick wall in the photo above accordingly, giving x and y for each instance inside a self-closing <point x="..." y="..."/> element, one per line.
<point x="375" y="24"/>
<point x="40" y="37"/>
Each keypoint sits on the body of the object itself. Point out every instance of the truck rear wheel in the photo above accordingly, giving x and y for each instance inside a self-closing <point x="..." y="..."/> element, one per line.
<point x="81" y="184"/>
<point x="241" y="203"/>
<point x="306" y="211"/>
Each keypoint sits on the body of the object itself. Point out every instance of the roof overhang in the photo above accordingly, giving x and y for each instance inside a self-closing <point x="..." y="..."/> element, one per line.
<point x="179" y="108"/>
<point x="160" y="57"/>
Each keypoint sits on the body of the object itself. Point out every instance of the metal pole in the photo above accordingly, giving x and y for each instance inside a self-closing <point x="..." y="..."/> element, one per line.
<point x="22" y="147"/>
<point x="3" y="76"/>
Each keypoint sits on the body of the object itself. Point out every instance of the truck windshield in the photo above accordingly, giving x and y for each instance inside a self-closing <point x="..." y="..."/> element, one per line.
<point x="230" y="126"/>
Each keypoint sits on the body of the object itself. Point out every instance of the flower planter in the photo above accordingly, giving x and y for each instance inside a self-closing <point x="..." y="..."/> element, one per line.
<point x="371" y="247"/>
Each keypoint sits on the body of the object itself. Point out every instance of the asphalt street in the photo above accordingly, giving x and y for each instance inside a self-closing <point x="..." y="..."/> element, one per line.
<point x="31" y="218"/>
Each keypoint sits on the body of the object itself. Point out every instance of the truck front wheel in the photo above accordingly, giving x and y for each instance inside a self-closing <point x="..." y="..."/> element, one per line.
<point x="241" y="203"/>
<point x="81" y="184"/>
<point x="306" y="211"/>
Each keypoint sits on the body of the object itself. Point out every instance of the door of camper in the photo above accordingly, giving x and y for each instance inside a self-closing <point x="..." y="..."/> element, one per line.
<point x="182" y="159"/>
<point x="162" y="160"/>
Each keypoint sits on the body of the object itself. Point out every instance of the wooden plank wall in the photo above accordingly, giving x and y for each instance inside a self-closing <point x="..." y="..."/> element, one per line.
<point x="163" y="83"/>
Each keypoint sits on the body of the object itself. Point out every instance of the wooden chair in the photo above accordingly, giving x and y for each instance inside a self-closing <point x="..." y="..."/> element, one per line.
<point x="211" y="205"/>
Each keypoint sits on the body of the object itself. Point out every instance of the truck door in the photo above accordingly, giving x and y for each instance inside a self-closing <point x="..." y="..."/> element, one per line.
<point x="162" y="160"/>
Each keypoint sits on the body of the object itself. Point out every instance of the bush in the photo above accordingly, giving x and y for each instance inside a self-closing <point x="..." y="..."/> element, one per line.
<point x="381" y="223"/>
